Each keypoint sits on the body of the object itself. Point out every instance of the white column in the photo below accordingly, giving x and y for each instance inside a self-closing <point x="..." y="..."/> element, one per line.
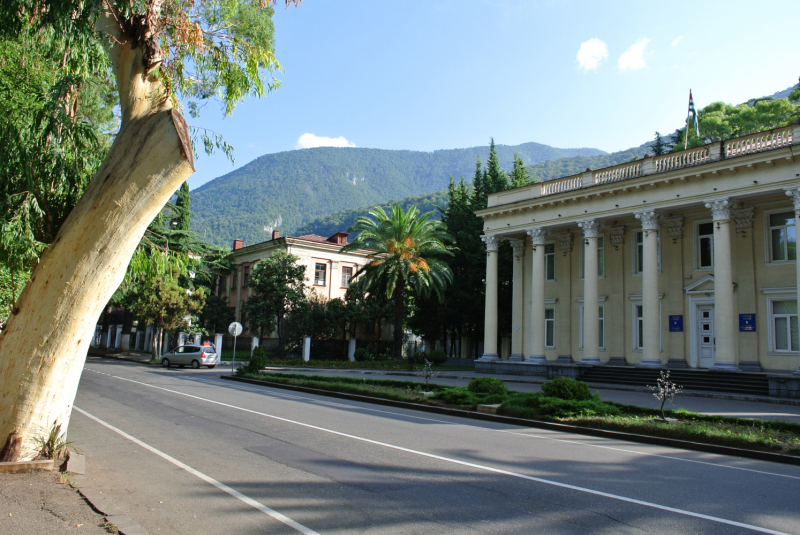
<point x="181" y="338"/>
<point x="118" y="338"/>
<point x="591" y="301"/>
<point x="794" y="193"/>
<point x="537" y="323"/>
<point x="218" y="344"/>
<point x="725" y="330"/>
<point x="253" y="345"/>
<point x="517" y="295"/>
<point x="307" y="348"/>
<point x="650" y="328"/>
<point x="197" y="339"/>
<point x="351" y="350"/>
<point x="490" y="317"/>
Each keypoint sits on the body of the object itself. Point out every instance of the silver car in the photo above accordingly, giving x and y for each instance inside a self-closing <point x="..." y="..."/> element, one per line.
<point x="193" y="355"/>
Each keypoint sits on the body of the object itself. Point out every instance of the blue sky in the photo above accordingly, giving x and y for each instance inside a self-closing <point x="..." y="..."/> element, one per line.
<point x="440" y="74"/>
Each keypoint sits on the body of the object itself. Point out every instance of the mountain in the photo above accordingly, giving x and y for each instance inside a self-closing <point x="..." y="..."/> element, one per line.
<point x="296" y="187"/>
<point x="547" y="170"/>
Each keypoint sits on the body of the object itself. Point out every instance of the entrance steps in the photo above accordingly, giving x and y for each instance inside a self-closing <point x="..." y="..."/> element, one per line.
<point x="710" y="381"/>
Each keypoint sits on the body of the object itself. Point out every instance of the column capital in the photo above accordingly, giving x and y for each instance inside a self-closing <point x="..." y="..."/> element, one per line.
<point x="794" y="193"/>
<point x="590" y="227"/>
<point x="720" y="208"/>
<point x="617" y="234"/>
<point x="743" y="218"/>
<point x="537" y="235"/>
<point x="565" y="241"/>
<point x="674" y="226"/>
<point x="518" y="247"/>
<point x="492" y="242"/>
<point x="649" y="219"/>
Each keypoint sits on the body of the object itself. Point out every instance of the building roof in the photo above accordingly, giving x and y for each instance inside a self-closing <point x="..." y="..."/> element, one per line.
<point x="311" y="237"/>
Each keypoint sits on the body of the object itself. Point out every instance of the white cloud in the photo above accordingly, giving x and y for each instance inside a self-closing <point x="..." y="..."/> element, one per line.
<point x="309" y="141"/>
<point x="677" y="40"/>
<point x="633" y="58"/>
<point x="591" y="54"/>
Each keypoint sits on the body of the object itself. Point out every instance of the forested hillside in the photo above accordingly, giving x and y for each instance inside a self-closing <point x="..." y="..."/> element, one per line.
<point x="302" y="185"/>
<point x="547" y="170"/>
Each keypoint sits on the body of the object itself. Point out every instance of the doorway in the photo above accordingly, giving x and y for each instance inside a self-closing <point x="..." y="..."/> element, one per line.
<point x="705" y="339"/>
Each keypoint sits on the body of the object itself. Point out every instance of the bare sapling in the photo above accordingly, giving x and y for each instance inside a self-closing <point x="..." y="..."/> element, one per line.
<point x="665" y="390"/>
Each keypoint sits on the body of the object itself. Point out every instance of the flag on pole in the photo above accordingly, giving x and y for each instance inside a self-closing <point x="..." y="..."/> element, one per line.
<point x="693" y="114"/>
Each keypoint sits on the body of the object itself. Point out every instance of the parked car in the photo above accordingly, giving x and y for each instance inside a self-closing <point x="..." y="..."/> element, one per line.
<point x="193" y="355"/>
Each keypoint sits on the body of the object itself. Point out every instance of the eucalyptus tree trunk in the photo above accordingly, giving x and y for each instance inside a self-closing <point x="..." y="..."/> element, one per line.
<point x="43" y="347"/>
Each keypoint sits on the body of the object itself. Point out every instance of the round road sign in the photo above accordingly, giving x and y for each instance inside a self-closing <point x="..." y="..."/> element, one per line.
<point x="235" y="328"/>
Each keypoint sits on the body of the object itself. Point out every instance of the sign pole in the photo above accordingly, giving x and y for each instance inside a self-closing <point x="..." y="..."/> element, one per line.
<point x="235" y="329"/>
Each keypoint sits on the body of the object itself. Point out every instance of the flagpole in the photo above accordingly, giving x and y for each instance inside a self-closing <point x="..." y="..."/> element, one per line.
<point x="688" y="109"/>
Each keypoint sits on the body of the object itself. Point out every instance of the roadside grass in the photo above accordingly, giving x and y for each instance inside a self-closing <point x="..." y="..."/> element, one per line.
<point x="762" y="435"/>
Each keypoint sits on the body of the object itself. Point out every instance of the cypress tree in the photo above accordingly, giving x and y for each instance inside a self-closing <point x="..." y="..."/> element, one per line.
<point x="520" y="176"/>
<point x="496" y="178"/>
<point x="183" y="212"/>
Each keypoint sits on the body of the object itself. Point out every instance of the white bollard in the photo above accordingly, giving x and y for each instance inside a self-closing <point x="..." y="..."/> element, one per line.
<point x="181" y="339"/>
<point x="307" y="348"/>
<point x="351" y="350"/>
<point x="118" y="339"/>
<point x="253" y="345"/>
<point x="197" y="340"/>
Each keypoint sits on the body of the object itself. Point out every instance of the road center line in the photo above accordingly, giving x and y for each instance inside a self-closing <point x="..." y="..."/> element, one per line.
<point x="467" y="464"/>
<point x="221" y="486"/>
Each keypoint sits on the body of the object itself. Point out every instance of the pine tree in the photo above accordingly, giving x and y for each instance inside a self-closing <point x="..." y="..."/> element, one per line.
<point x="479" y="193"/>
<point x="520" y="176"/>
<point x="659" y="146"/>
<point x="496" y="178"/>
<point x="183" y="212"/>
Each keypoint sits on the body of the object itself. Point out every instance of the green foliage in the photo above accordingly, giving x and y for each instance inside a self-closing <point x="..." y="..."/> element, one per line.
<point x="487" y="385"/>
<point x="436" y="357"/>
<point x="53" y="443"/>
<point x="216" y="314"/>
<point x="567" y="388"/>
<point x="314" y="317"/>
<point x="538" y="405"/>
<point x="278" y="285"/>
<point x="659" y="146"/>
<point x="360" y="354"/>
<point x="327" y="182"/>
<point x="407" y="251"/>
<point x="520" y="176"/>
<point x="257" y="362"/>
<point x="182" y="213"/>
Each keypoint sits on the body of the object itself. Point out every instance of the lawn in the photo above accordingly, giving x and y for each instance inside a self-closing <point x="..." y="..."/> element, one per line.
<point x="763" y="435"/>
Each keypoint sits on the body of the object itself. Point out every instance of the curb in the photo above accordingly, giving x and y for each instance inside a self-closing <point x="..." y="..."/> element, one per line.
<point x="21" y="467"/>
<point x="564" y="428"/>
<point x="601" y="386"/>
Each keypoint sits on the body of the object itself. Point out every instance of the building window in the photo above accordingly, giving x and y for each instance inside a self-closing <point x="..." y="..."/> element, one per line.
<point x="784" y="325"/>
<point x="549" y="327"/>
<point x="550" y="262"/>
<point x="319" y="274"/>
<point x="782" y="237"/>
<point x="638" y="251"/>
<point x="638" y="326"/>
<point x="602" y="328"/>
<point x="347" y="274"/>
<point x="234" y="278"/>
<point x="704" y="245"/>
<point x="601" y="271"/>
<point x="246" y="277"/>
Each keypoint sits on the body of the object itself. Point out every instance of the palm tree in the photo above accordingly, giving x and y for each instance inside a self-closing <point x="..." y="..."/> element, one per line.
<point x="407" y="254"/>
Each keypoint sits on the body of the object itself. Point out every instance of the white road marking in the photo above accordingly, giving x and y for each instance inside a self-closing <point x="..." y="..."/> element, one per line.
<point x="221" y="486"/>
<point x="467" y="464"/>
<point x="527" y="435"/>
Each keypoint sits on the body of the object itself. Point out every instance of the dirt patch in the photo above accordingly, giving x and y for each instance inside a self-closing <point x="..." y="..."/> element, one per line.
<point x="37" y="502"/>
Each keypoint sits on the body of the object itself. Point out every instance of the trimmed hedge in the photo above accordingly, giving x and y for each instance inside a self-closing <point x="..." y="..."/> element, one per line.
<point x="487" y="385"/>
<point x="567" y="388"/>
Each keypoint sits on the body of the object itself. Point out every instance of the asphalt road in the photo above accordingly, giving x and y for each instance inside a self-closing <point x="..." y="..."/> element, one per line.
<point x="181" y="451"/>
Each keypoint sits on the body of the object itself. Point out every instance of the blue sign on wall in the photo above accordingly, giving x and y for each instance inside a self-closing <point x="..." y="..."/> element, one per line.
<point x="747" y="322"/>
<point x="676" y="324"/>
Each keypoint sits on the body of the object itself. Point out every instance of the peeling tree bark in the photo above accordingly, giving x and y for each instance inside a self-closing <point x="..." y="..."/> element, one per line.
<point x="43" y="348"/>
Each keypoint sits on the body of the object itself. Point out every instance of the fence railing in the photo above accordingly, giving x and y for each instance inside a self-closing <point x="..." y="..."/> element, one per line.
<point x="561" y="185"/>
<point x="759" y="142"/>
<point x="618" y="172"/>
<point x="678" y="160"/>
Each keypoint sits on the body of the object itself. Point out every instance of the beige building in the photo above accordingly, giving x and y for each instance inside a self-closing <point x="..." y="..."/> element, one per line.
<point x="328" y="270"/>
<point x="686" y="260"/>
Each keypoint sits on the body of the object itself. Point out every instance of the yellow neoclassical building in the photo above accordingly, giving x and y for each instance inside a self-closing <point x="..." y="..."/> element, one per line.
<point x="686" y="260"/>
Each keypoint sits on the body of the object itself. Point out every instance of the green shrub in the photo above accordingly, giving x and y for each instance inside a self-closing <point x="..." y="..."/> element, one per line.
<point x="437" y="357"/>
<point x="419" y="357"/>
<point x="360" y="354"/>
<point x="533" y="405"/>
<point x="487" y="385"/>
<point x="457" y="396"/>
<point x="258" y="361"/>
<point x="567" y="388"/>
